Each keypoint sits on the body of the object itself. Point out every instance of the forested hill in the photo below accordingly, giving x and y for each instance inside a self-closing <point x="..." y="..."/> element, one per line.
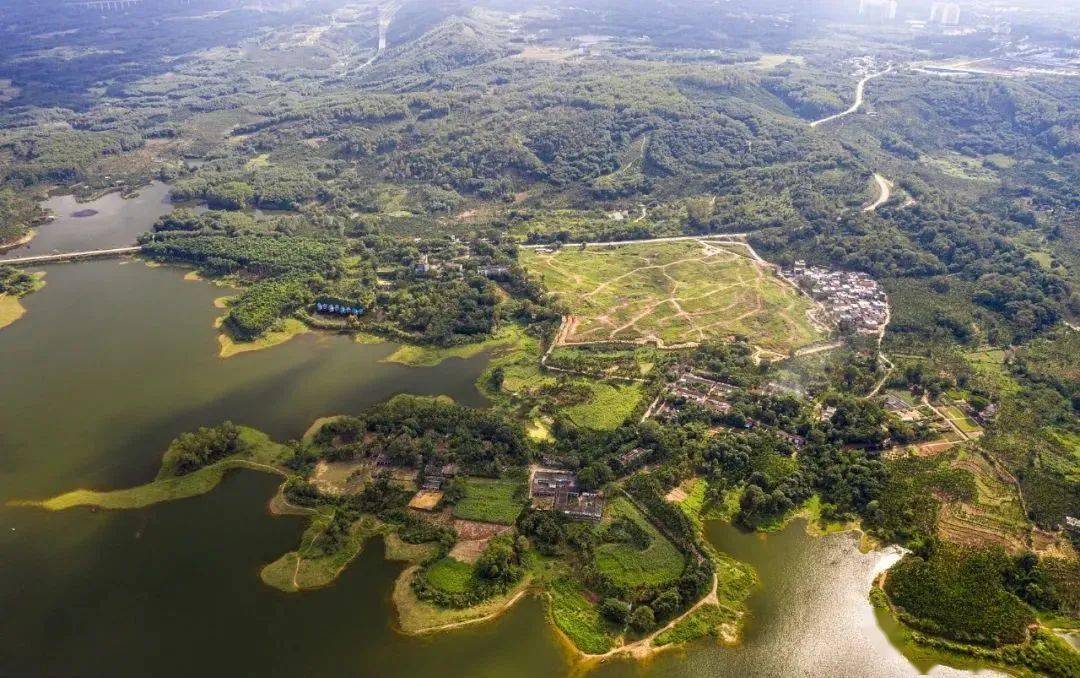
<point x="507" y="111"/>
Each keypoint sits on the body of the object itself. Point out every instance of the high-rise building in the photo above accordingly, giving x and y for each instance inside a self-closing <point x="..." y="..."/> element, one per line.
<point x="878" y="9"/>
<point x="945" y="13"/>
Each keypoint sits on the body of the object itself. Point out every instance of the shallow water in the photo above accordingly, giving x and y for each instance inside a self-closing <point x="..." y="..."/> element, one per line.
<point x="115" y="222"/>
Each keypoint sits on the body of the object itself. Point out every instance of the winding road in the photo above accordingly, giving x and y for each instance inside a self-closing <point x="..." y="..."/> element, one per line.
<point x="884" y="193"/>
<point x="859" y="89"/>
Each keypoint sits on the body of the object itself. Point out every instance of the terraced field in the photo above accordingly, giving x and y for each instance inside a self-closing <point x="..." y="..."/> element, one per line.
<point x="672" y="294"/>
<point x="995" y="517"/>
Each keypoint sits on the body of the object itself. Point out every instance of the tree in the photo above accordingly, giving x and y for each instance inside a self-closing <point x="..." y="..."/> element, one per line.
<point x="642" y="619"/>
<point x="615" y="610"/>
<point x="666" y="604"/>
<point x="453" y="490"/>
<point x="232" y="195"/>
<point x="498" y="562"/>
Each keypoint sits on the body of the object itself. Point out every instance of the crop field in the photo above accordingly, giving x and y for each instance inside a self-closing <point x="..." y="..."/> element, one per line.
<point x="962" y="421"/>
<point x="672" y="294"/>
<point x="490" y="501"/>
<point x="993" y="517"/>
<point x="626" y="565"/>
<point x="450" y="575"/>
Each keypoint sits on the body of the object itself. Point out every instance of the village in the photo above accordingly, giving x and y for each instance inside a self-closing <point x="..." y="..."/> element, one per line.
<point x="854" y="301"/>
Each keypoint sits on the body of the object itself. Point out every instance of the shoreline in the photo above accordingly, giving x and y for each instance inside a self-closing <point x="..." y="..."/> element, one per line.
<point x="15" y="244"/>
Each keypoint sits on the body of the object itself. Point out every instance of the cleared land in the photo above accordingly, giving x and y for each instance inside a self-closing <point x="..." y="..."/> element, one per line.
<point x="673" y="293"/>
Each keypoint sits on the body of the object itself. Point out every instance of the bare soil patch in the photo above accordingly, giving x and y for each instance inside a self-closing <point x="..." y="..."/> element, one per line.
<point x="425" y="500"/>
<point x="341" y="477"/>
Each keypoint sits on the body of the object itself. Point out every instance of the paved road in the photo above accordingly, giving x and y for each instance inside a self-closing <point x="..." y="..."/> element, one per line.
<point x="69" y="256"/>
<point x="859" y="89"/>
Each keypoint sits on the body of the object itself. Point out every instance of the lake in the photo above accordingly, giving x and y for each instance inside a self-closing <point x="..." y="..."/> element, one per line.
<point x="109" y="221"/>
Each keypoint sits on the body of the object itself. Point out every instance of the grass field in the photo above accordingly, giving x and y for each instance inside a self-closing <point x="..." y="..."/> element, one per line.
<point x="490" y="501"/>
<point x="450" y="575"/>
<point x="578" y="618"/>
<point x="10" y="310"/>
<point x="309" y="567"/>
<point x="673" y="293"/>
<point x="429" y="356"/>
<point x="706" y="620"/>
<point x="608" y="407"/>
<point x="660" y="562"/>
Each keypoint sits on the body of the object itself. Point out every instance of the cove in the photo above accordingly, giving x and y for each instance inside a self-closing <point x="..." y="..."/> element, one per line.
<point x="810" y="616"/>
<point x="109" y="221"/>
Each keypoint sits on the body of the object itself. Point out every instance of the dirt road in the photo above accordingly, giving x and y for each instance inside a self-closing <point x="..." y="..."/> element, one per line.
<point x="884" y="193"/>
<point x="859" y="89"/>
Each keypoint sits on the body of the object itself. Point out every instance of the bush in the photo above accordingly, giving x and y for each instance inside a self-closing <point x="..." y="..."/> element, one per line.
<point x="642" y="619"/>
<point x="615" y="610"/>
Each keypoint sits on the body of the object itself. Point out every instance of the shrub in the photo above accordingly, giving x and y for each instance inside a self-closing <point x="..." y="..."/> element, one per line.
<point x="959" y="593"/>
<point x="642" y="619"/>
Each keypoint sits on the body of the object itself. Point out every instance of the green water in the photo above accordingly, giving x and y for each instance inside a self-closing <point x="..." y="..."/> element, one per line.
<point x="114" y="359"/>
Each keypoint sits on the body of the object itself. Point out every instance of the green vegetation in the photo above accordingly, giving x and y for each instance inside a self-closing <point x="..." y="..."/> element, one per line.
<point x="606" y="405"/>
<point x="450" y="583"/>
<point x="13" y="285"/>
<point x="578" y="618"/>
<point x="429" y="356"/>
<point x="649" y="562"/>
<point x="326" y="548"/>
<point x="959" y="594"/>
<point x="449" y="575"/>
<point x="672" y="293"/>
<point x="17" y="214"/>
<point x="16" y="283"/>
<point x="491" y="501"/>
<point x="704" y="621"/>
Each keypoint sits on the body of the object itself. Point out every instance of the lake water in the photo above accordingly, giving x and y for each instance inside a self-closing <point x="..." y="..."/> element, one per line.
<point x="115" y="222"/>
<point x="114" y="359"/>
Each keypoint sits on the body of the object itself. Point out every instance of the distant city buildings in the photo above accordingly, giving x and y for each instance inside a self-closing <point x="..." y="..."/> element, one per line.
<point x="878" y="9"/>
<point x="945" y="13"/>
<point x="854" y="301"/>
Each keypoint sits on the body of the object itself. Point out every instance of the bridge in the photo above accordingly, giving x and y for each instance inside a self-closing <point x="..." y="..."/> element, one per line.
<point x="71" y="256"/>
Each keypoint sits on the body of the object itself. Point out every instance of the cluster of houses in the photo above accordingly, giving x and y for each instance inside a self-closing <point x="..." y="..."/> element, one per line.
<point x="453" y="260"/>
<point x="854" y="300"/>
<point x="707" y="393"/>
<point x="712" y="395"/>
<point x="433" y="482"/>
<point x="900" y="407"/>
<point x="557" y="490"/>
